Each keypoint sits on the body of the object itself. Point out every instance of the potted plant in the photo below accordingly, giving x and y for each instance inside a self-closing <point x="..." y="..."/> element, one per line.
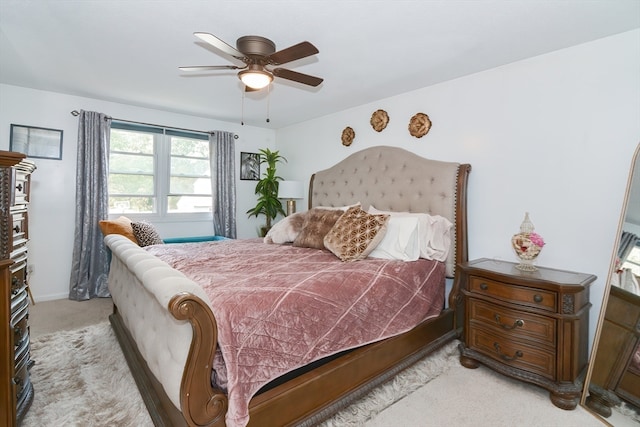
<point x="267" y="190"/>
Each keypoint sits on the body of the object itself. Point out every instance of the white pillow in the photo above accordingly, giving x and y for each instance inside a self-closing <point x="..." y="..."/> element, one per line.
<point x="434" y="233"/>
<point x="401" y="241"/>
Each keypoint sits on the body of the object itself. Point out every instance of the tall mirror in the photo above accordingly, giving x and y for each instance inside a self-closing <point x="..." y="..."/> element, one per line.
<point x="612" y="384"/>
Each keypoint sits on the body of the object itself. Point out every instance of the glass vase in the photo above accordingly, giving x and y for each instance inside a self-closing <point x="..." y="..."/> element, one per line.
<point x="526" y="249"/>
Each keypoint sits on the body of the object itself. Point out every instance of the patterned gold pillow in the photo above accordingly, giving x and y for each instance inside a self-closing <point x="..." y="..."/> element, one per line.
<point x="355" y="234"/>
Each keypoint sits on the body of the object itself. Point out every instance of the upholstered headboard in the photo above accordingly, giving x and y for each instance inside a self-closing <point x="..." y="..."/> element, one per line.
<point x="395" y="179"/>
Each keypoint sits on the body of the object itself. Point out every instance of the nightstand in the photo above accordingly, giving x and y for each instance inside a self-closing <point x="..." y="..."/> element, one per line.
<point x="531" y="326"/>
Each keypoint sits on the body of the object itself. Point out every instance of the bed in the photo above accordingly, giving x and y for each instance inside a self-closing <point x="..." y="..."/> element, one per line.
<point x="166" y="326"/>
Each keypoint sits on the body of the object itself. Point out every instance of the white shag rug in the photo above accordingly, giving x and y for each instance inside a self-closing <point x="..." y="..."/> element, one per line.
<point x="82" y="379"/>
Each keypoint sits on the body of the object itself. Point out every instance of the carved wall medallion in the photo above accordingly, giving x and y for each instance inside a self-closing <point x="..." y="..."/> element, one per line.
<point x="348" y="135"/>
<point x="379" y="120"/>
<point x="419" y="125"/>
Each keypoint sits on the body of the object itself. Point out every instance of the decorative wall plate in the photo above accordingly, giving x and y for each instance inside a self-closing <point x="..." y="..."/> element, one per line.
<point x="379" y="120"/>
<point x="348" y="135"/>
<point x="419" y="125"/>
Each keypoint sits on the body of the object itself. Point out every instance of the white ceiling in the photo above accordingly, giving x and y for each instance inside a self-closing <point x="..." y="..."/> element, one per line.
<point x="130" y="51"/>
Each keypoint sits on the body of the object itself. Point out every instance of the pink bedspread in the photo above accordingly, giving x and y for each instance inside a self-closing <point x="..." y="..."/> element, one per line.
<point x="279" y="307"/>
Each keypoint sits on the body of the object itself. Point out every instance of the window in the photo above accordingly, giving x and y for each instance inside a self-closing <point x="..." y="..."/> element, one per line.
<point x="633" y="261"/>
<point x="158" y="171"/>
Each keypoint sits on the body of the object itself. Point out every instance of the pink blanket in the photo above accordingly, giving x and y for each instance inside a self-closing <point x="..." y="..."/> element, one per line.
<point x="280" y="307"/>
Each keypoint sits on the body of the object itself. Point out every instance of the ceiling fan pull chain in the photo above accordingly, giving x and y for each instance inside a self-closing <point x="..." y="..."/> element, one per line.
<point x="268" y="101"/>
<point x="242" y="111"/>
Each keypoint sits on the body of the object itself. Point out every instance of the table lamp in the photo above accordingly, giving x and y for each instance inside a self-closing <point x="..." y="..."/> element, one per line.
<point x="290" y="190"/>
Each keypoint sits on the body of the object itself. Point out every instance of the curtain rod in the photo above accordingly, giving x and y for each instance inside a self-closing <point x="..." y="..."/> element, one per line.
<point x="76" y="113"/>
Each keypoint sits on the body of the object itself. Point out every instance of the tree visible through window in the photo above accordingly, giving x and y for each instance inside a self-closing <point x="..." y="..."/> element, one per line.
<point x="158" y="171"/>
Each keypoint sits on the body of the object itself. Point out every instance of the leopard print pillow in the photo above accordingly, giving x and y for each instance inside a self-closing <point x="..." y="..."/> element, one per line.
<point x="146" y="234"/>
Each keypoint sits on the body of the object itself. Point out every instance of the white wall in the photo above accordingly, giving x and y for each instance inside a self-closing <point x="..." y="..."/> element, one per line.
<point x="552" y="135"/>
<point x="52" y="211"/>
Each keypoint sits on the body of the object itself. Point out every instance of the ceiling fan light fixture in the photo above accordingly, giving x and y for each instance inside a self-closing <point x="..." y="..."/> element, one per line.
<point x="255" y="79"/>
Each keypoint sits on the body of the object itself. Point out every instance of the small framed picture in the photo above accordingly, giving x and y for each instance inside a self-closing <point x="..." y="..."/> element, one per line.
<point x="37" y="142"/>
<point x="250" y="166"/>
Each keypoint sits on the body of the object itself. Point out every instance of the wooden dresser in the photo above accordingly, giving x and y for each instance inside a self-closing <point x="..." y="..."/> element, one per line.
<point x="531" y="326"/>
<point x="16" y="390"/>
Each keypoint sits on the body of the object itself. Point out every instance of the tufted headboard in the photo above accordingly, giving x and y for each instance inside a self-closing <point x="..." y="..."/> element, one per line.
<point x="395" y="179"/>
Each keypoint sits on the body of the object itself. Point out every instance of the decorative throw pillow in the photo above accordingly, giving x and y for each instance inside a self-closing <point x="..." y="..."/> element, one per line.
<point x="286" y="230"/>
<point x="355" y="234"/>
<point x="121" y="225"/>
<point x="146" y="234"/>
<point x="317" y="224"/>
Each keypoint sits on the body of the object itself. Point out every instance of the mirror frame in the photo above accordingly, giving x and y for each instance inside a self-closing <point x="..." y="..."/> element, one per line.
<point x="607" y="288"/>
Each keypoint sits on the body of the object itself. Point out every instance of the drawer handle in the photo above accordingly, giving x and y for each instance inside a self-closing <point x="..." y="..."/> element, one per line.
<point x="503" y="356"/>
<point x="16" y="228"/>
<point x="484" y="286"/>
<point x="519" y="323"/>
<point x="537" y="298"/>
<point x="19" y="187"/>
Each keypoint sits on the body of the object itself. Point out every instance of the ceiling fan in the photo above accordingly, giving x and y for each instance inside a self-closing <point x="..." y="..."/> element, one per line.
<point x="259" y="55"/>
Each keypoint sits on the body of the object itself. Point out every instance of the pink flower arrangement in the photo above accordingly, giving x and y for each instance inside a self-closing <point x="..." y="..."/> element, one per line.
<point x="536" y="239"/>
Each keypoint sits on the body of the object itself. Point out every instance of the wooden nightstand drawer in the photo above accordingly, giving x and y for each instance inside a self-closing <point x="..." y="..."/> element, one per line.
<point x="513" y="353"/>
<point x="538" y="298"/>
<point x="518" y="324"/>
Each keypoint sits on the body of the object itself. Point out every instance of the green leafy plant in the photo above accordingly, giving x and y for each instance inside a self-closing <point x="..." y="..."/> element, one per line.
<point x="267" y="190"/>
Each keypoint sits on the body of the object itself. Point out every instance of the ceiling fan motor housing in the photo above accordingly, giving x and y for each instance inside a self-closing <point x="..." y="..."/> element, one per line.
<point x="255" y="46"/>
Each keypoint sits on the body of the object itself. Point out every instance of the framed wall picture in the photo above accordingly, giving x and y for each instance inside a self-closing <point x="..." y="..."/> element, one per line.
<point x="37" y="142"/>
<point x="250" y="166"/>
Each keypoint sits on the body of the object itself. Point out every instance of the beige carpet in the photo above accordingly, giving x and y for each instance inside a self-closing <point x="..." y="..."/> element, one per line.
<point x="81" y="379"/>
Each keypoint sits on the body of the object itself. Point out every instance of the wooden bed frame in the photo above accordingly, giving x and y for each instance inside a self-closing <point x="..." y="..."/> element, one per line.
<point x="315" y="395"/>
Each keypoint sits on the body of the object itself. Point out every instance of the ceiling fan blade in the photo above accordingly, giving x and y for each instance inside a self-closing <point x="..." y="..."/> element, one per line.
<point x="298" y="51"/>
<point x="210" y="67"/>
<point x="220" y="45"/>
<point x="297" y="77"/>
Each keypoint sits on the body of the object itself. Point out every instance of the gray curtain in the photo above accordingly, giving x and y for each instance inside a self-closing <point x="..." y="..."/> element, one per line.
<point x="90" y="263"/>
<point x="627" y="242"/>
<point x="222" y="148"/>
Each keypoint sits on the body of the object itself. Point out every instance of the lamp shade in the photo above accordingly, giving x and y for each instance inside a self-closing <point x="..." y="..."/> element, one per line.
<point x="290" y="190"/>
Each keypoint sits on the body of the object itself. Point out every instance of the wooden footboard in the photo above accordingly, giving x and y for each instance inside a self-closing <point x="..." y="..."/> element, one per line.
<point x="305" y="400"/>
<point x="202" y="404"/>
